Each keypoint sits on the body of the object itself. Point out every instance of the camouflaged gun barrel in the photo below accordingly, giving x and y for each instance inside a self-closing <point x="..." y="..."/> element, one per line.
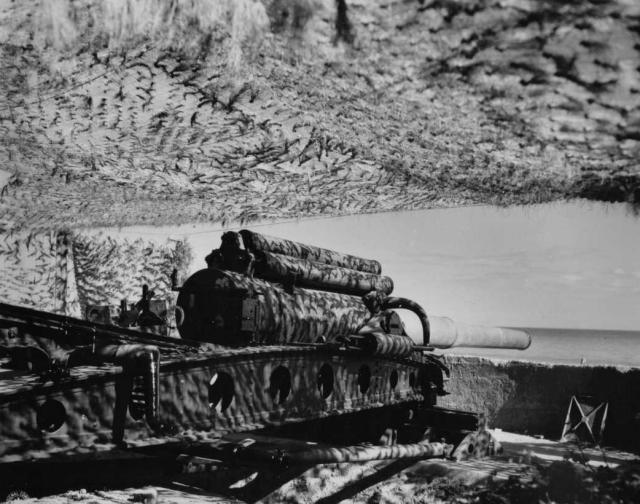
<point x="291" y="263"/>
<point x="256" y="242"/>
<point x="445" y="333"/>
<point x="277" y="291"/>
<point x="316" y="275"/>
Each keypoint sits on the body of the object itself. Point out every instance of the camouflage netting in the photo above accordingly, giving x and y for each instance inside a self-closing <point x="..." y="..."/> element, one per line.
<point x="37" y="270"/>
<point x="436" y="103"/>
<point x="64" y="272"/>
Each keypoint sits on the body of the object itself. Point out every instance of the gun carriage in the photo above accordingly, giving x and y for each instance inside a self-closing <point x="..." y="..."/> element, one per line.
<point x="280" y="344"/>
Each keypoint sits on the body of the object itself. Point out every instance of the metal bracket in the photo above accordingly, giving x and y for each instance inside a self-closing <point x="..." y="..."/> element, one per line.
<point x="249" y="320"/>
<point x="585" y="419"/>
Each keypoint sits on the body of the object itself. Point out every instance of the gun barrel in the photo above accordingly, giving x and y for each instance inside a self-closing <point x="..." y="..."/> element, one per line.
<point x="445" y="333"/>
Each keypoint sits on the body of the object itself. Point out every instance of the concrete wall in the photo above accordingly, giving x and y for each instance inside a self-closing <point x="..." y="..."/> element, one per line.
<point x="533" y="397"/>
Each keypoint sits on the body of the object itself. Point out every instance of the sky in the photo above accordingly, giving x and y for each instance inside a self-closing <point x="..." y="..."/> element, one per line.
<point x="565" y="265"/>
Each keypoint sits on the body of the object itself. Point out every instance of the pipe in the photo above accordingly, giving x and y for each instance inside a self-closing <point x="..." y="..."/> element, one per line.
<point x="331" y="455"/>
<point x="389" y="345"/>
<point x="407" y="304"/>
<point x="339" y="454"/>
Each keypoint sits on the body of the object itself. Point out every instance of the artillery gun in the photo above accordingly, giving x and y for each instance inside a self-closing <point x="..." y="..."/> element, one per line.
<point x="280" y="344"/>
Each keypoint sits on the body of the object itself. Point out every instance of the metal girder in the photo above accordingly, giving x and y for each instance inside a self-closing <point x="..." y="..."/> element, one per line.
<point x="202" y="397"/>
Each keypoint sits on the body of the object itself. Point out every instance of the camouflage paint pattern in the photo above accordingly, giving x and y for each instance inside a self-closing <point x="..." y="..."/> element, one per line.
<point x="256" y="242"/>
<point x="315" y="275"/>
<point x="285" y="315"/>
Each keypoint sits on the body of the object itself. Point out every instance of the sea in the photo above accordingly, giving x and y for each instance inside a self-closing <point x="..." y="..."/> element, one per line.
<point x="581" y="347"/>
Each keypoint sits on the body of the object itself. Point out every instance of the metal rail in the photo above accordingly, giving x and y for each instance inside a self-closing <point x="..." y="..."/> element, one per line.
<point x="84" y="332"/>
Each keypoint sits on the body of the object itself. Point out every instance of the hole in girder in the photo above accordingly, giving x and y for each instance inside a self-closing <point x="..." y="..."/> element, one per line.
<point x="393" y="379"/>
<point x="412" y="380"/>
<point x="220" y="391"/>
<point x="51" y="415"/>
<point x="325" y="380"/>
<point x="364" y="378"/>
<point x="280" y="384"/>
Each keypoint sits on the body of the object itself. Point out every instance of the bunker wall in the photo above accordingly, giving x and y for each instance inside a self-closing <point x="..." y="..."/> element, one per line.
<point x="533" y="398"/>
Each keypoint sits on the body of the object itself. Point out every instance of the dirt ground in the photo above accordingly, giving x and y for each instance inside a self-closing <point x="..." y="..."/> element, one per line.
<point x="437" y="103"/>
